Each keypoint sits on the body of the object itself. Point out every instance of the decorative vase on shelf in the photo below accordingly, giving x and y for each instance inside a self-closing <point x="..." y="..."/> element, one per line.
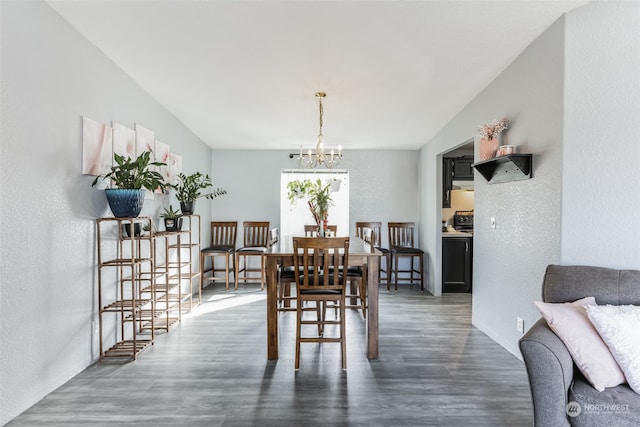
<point x="488" y="148"/>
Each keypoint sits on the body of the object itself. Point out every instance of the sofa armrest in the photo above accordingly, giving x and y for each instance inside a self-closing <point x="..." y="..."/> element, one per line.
<point x="550" y="370"/>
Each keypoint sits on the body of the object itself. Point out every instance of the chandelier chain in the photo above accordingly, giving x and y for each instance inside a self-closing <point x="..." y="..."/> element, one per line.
<point x="312" y="159"/>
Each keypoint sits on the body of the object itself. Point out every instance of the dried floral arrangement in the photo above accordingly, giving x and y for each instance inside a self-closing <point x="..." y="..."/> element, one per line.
<point x="490" y="131"/>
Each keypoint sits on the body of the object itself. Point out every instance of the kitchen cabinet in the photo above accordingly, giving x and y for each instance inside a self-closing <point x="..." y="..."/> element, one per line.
<point x="463" y="169"/>
<point x="457" y="255"/>
<point x="447" y="181"/>
<point x="459" y="169"/>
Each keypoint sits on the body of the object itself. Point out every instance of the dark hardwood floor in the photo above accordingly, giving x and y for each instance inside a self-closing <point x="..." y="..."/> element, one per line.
<point x="435" y="369"/>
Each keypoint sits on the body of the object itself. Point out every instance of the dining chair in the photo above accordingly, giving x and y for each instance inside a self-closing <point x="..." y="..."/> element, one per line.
<point x="223" y="243"/>
<point x="321" y="262"/>
<point x="311" y="230"/>
<point x="285" y="277"/>
<point x="401" y="244"/>
<point x="374" y="228"/>
<point x="357" y="276"/>
<point x="256" y="244"/>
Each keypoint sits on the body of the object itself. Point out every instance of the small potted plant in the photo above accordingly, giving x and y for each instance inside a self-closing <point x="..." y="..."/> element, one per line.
<point x="172" y="219"/>
<point x="189" y="189"/>
<point x="131" y="177"/>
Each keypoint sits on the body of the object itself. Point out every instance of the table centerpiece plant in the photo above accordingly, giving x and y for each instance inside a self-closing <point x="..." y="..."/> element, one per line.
<point x="189" y="189"/>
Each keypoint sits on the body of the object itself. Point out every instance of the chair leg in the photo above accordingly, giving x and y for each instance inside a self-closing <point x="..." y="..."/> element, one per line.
<point x="395" y="276"/>
<point x="390" y="274"/>
<point x="226" y="271"/>
<point x="298" y="330"/>
<point x="343" y="337"/>
<point x="421" y="273"/>
<point x="363" y="292"/>
<point x="201" y="271"/>
<point x="262" y="273"/>
<point x="236" y="273"/>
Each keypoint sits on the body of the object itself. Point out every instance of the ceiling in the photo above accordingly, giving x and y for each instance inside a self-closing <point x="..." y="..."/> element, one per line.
<point x="243" y="74"/>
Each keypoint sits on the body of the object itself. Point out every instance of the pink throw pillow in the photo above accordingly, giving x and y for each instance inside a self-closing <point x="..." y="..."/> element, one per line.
<point x="590" y="354"/>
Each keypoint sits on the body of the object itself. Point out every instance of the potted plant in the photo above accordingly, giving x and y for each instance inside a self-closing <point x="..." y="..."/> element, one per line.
<point x="172" y="219"/>
<point x="189" y="189"/>
<point x="319" y="198"/>
<point x="130" y="178"/>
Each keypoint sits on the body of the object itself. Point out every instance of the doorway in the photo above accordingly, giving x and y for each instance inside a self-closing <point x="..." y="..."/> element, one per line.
<point x="457" y="218"/>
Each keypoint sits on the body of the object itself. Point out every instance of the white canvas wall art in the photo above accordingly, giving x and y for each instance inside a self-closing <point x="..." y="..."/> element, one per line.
<point x="124" y="141"/>
<point x="145" y="139"/>
<point x="97" y="147"/>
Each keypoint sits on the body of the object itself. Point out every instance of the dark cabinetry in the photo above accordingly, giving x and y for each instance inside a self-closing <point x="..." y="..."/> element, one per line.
<point x="447" y="182"/>
<point x="463" y="169"/>
<point x="459" y="169"/>
<point x="457" y="264"/>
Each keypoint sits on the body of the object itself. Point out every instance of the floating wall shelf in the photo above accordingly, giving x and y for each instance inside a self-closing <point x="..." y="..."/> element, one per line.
<point x="510" y="167"/>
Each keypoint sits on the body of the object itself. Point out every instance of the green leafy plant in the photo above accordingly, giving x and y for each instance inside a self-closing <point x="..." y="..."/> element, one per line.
<point x="134" y="174"/>
<point x="319" y="196"/>
<point x="169" y="213"/>
<point x="189" y="187"/>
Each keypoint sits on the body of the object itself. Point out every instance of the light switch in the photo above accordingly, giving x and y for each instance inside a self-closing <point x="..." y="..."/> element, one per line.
<point x="493" y="222"/>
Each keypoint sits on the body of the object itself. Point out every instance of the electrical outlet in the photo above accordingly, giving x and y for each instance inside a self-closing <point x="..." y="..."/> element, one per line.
<point x="520" y="325"/>
<point x="493" y="222"/>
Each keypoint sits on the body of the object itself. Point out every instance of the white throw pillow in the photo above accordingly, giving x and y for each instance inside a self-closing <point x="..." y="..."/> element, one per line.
<point x="590" y="354"/>
<point x="619" y="327"/>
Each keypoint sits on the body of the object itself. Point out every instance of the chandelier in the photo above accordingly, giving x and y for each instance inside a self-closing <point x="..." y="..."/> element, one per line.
<point x="312" y="159"/>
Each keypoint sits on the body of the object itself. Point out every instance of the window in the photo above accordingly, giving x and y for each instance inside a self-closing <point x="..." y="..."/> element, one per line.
<point x="293" y="218"/>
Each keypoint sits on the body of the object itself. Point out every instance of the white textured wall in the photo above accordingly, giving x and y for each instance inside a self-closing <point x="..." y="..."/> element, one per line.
<point x="574" y="99"/>
<point x="383" y="185"/>
<point x="50" y="78"/>
<point x="508" y="262"/>
<point x="601" y="161"/>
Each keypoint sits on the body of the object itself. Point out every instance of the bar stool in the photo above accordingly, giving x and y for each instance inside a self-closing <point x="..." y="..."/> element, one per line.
<point x="223" y="243"/>
<point x="256" y="244"/>
<point x="320" y="262"/>
<point x="401" y="244"/>
<point x="374" y="229"/>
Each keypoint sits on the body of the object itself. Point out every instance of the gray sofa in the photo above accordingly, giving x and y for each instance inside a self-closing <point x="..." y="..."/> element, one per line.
<point x="554" y="379"/>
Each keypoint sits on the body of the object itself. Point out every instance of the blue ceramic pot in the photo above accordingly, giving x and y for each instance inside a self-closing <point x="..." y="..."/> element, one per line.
<point x="125" y="203"/>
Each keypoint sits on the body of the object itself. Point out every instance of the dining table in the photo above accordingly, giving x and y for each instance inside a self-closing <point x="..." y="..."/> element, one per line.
<point x="361" y="254"/>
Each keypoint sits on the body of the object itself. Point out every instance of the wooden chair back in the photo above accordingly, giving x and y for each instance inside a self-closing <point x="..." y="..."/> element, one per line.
<point x="369" y="232"/>
<point x="274" y="236"/>
<point x="311" y="230"/>
<point x="401" y="234"/>
<point x="321" y="261"/>
<point x="224" y="234"/>
<point x="256" y="234"/>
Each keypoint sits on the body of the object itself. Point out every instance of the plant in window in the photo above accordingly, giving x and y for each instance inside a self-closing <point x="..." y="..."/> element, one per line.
<point x="318" y="195"/>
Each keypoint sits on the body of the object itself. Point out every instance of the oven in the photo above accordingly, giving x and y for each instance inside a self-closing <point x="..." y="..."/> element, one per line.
<point x="463" y="221"/>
